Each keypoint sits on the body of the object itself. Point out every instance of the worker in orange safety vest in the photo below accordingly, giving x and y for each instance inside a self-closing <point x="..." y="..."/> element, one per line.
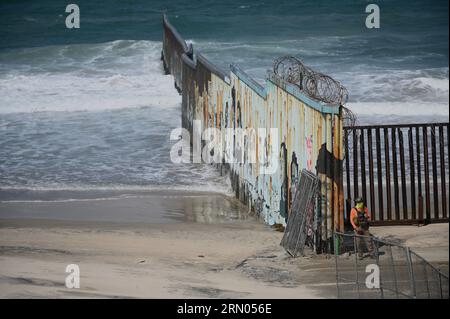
<point x="360" y="219"/>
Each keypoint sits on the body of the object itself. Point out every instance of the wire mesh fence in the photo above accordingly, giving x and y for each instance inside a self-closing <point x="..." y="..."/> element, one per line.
<point x="367" y="268"/>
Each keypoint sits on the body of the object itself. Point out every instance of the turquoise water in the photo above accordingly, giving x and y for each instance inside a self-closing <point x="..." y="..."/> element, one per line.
<point x="90" y="109"/>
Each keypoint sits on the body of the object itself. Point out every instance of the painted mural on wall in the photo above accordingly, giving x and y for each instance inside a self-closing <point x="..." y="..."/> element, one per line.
<point x="304" y="130"/>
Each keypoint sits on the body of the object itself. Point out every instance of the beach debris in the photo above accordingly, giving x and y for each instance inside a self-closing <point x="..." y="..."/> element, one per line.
<point x="278" y="227"/>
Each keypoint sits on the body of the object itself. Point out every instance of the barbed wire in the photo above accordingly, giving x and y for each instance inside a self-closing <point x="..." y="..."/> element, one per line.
<point x="348" y="117"/>
<point x="315" y="84"/>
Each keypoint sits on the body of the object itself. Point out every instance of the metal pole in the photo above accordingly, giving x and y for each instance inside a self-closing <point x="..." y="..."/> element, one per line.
<point x="395" y="172"/>
<point x="427" y="174"/>
<point x="393" y="271"/>
<point x="388" y="174"/>
<point x="412" y="174"/>
<point x="380" y="176"/>
<point x="426" y="279"/>
<point x="403" y="175"/>
<point x="355" y="165"/>
<point x="443" y="175"/>
<point x="419" y="177"/>
<point x="440" y="285"/>
<point x="377" y="259"/>
<point x="356" y="264"/>
<point x="434" y="172"/>
<point x="411" y="272"/>
<point x="371" y="173"/>
<point x="362" y="153"/>
<point x="337" y="270"/>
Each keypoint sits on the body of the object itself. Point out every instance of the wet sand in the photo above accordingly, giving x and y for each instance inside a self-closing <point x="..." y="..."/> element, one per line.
<point x="156" y="207"/>
<point x="151" y="246"/>
<point x="167" y="245"/>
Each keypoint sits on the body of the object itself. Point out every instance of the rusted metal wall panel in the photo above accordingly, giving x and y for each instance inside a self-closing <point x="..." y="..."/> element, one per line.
<point x="188" y="93"/>
<point x="173" y="49"/>
<point x="309" y="133"/>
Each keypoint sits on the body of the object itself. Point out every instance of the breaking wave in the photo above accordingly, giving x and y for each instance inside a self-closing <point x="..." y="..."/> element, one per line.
<point x="85" y="77"/>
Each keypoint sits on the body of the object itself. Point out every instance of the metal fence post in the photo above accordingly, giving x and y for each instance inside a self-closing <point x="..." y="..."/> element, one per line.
<point x="394" y="272"/>
<point x="440" y="285"/>
<point x="377" y="260"/>
<point x="337" y="270"/>
<point x="426" y="279"/>
<point x="355" y="250"/>
<point x="411" y="272"/>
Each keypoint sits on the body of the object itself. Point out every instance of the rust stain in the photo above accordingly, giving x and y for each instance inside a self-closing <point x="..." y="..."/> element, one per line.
<point x="305" y="130"/>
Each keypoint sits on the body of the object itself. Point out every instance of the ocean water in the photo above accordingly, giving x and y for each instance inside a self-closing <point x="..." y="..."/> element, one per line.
<point x="89" y="111"/>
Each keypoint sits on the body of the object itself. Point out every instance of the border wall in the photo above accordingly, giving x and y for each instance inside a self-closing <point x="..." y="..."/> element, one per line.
<point x="310" y="133"/>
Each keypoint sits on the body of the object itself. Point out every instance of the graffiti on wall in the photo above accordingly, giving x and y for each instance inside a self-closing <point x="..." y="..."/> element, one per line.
<point x="249" y="105"/>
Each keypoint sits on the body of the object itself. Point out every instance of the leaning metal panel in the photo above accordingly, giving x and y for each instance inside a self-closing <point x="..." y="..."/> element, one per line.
<point x="296" y="232"/>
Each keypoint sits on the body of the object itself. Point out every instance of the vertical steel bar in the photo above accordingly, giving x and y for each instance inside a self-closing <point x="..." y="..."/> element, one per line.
<point x="427" y="173"/>
<point x="371" y="175"/>
<point x="337" y="204"/>
<point x="412" y="174"/>
<point x="419" y="176"/>
<point x="388" y="174"/>
<point x="337" y="269"/>
<point x="443" y="175"/>
<point x="434" y="170"/>
<point x="347" y="170"/>
<point x="379" y="176"/>
<point x="403" y="175"/>
<point x="363" y="166"/>
<point x="355" y="165"/>
<point x="356" y="264"/>
<point x="395" y="171"/>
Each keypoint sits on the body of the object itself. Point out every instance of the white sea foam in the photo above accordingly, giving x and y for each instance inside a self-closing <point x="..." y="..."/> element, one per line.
<point x="412" y="86"/>
<point x="90" y="192"/>
<point x="102" y="152"/>
<point x="433" y="83"/>
<point x="383" y="88"/>
<point x="400" y="109"/>
<point x="114" y="75"/>
<point x="124" y="151"/>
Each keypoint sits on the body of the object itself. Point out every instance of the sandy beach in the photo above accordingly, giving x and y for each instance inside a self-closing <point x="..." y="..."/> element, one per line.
<point x="115" y="117"/>
<point x="193" y="253"/>
<point x="170" y="245"/>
